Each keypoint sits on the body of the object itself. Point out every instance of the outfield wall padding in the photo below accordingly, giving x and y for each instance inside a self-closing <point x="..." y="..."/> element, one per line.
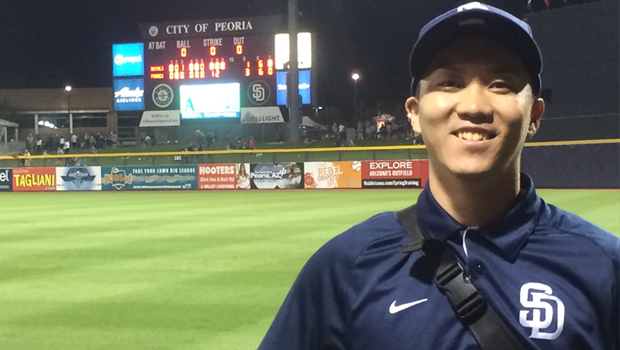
<point x="573" y="166"/>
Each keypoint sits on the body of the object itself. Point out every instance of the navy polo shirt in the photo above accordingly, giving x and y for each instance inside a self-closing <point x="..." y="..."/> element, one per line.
<point x="550" y="274"/>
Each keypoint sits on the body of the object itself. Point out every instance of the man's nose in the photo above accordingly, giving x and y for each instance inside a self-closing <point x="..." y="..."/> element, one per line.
<point x="474" y="104"/>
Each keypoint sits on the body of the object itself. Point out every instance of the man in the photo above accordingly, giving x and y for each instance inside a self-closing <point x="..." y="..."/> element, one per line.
<point x="39" y="145"/>
<point x="74" y="142"/>
<point x="30" y="143"/>
<point x="549" y="275"/>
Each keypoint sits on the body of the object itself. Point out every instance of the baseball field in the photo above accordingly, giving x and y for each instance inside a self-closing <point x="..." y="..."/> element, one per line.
<point x="170" y="270"/>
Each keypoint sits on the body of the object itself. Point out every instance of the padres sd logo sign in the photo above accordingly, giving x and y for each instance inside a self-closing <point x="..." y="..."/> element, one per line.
<point x="259" y="92"/>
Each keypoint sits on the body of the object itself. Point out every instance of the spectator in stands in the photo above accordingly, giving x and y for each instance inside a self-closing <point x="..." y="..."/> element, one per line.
<point x="251" y="143"/>
<point x="210" y="138"/>
<point x="60" y="152"/>
<point x="95" y="159"/>
<point x="30" y="143"/>
<point x="39" y="148"/>
<point x="56" y="141"/>
<point x="27" y="160"/>
<point x="342" y="135"/>
<point x="113" y="139"/>
<point x="200" y="137"/>
<point x="74" y="140"/>
<point x="49" y="144"/>
<point x="46" y="159"/>
<point x="99" y="141"/>
<point x="360" y="130"/>
<point x="85" y="141"/>
<point x="61" y="142"/>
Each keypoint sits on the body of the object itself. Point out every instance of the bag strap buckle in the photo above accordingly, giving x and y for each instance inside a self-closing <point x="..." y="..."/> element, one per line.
<point x="464" y="297"/>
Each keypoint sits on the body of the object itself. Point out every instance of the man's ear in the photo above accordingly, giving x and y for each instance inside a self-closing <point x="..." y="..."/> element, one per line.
<point x="412" y="106"/>
<point x="538" y="109"/>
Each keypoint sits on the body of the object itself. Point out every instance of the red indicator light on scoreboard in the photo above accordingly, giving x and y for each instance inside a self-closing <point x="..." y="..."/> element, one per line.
<point x="247" y="71"/>
<point x="212" y="50"/>
<point x="261" y="67"/>
<point x="270" y="66"/>
<point x="239" y="49"/>
<point x="183" y="52"/>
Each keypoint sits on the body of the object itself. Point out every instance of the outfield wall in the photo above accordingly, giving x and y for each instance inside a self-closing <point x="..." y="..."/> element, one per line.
<point x="219" y="176"/>
<point x="573" y="166"/>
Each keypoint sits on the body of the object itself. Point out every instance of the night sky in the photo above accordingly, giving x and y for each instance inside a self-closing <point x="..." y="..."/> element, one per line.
<point x="48" y="44"/>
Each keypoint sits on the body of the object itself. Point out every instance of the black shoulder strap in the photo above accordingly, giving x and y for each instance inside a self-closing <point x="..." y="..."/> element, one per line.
<point x="489" y="329"/>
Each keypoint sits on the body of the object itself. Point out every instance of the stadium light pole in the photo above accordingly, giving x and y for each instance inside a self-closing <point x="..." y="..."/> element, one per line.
<point x="355" y="77"/>
<point x="68" y="89"/>
<point x="317" y="110"/>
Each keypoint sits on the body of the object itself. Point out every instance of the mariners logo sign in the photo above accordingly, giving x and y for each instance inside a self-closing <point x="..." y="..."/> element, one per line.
<point x="163" y="95"/>
<point x="544" y="313"/>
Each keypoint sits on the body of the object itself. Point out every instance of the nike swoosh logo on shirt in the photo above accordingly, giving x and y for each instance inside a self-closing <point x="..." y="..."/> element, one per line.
<point x="394" y="309"/>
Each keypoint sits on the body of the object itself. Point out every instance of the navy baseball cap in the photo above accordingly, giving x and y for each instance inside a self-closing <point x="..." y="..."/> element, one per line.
<point x="476" y="19"/>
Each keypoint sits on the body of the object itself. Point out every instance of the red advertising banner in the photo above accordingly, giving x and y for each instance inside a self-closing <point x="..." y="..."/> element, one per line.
<point x="394" y="173"/>
<point x="217" y="176"/>
<point x="34" y="179"/>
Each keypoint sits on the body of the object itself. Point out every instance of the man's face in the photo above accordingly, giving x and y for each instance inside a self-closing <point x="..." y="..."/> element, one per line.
<point x="475" y="108"/>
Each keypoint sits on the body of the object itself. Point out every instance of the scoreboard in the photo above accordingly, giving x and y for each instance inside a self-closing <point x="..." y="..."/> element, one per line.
<point x="210" y="59"/>
<point x="202" y="69"/>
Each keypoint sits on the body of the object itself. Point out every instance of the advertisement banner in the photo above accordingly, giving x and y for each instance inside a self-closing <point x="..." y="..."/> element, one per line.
<point x="78" y="179"/>
<point x="243" y="176"/>
<point x="305" y="88"/>
<point x="34" y="179"/>
<point x="261" y="115"/>
<point x="276" y="175"/>
<point x="128" y="59"/>
<point x="156" y="177"/>
<point x="217" y="176"/>
<point x="160" y="118"/>
<point x="333" y="174"/>
<point x="394" y="173"/>
<point x="6" y="179"/>
<point x="128" y="94"/>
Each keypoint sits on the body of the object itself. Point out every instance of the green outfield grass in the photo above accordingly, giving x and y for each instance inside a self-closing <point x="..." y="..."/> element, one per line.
<point x="197" y="270"/>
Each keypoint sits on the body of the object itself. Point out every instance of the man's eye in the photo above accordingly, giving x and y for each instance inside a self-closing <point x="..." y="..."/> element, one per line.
<point x="500" y="86"/>
<point x="447" y="84"/>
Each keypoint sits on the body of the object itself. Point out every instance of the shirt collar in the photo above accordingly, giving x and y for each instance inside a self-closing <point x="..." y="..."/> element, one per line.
<point x="509" y="233"/>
